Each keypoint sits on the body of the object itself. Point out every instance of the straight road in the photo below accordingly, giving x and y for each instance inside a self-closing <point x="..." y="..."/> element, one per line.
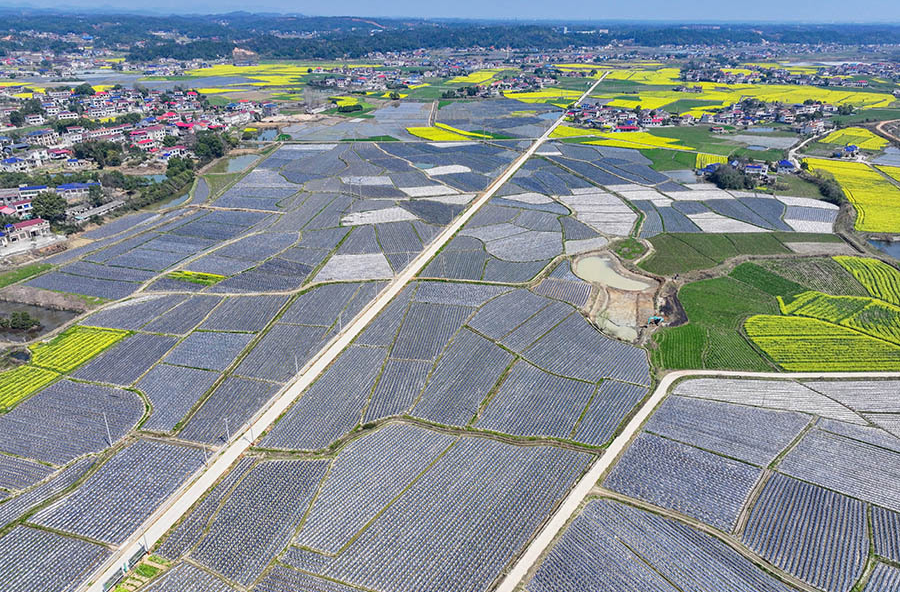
<point x="170" y="512"/>
<point x="523" y="566"/>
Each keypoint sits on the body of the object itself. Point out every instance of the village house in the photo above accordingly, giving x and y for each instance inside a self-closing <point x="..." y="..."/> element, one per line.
<point x="24" y="231"/>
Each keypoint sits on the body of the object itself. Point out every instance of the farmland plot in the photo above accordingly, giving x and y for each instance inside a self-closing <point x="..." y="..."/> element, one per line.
<point x="72" y="417"/>
<point x="229" y="406"/>
<point x="105" y="508"/>
<point x="770" y="394"/>
<point x="447" y="530"/>
<point x="128" y="361"/>
<point x="814" y="534"/>
<point x="749" y="434"/>
<point x="185" y="577"/>
<point x="702" y="485"/>
<point x="132" y="314"/>
<point x="16" y="507"/>
<point x="32" y="559"/>
<point x="190" y="530"/>
<point x="19" y="473"/>
<point x="209" y="351"/>
<point x="258" y="518"/>
<point x="531" y="402"/>
<point x="884" y="578"/>
<point x="364" y="479"/>
<point x="851" y="467"/>
<point x="332" y="406"/>
<point x="615" y="547"/>
<point x="173" y="391"/>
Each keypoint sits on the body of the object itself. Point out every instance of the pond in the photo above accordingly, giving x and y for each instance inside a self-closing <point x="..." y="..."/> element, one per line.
<point x="887" y="247"/>
<point x="236" y="164"/>
<point x="757" y="148"/>
<point x="268" y="134"/>
<point x="600" y="270"/>
<point x="172" y="201"/>
<point x="155" y="178"/>
<point x="49" y="318"/>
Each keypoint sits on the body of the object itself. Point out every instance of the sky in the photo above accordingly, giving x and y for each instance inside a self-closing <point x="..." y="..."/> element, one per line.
<point x="828" y="11"/>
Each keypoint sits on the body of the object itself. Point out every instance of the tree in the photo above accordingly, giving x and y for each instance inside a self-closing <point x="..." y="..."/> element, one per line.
<point x="394" y="96"/>
<point x="169" y="141"/>
<point x="17" y="119"/>
<point x="178" y="165"/>
<point x="102" y="152"/>
<point x="32" y="107"/>
<point x="727" y="177"/>
<point x="21" y="321"/>
<point x="84" y="89"/>
<point x="95" y="195"/>
<point x="49" y="206"/>
<point x="209" y="146"/>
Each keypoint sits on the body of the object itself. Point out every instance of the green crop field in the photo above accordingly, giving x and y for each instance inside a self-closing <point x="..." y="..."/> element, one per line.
<point x="715" y="308"/>
<point x="218" y="182"/>
<point x="22" y="273"/>
<point x="822" y="274"/>
<point x="682" y="253"/>
<point x="670" y="160"/>
<point x="732" y="319"/>
<point x="765" y="280"/>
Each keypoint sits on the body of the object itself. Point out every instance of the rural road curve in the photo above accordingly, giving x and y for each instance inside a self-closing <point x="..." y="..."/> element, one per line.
<point x="170" y="512"/>
<point x="570" y="505"/>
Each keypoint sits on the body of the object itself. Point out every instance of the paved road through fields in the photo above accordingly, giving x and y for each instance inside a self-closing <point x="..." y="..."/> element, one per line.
<point x="170" y="512"/>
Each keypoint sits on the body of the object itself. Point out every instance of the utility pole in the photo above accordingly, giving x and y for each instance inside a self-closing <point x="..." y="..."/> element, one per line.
<point x="108" y="434"/>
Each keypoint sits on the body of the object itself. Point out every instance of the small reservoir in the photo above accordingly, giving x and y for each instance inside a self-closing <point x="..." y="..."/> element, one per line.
<point x="600" y="270"/>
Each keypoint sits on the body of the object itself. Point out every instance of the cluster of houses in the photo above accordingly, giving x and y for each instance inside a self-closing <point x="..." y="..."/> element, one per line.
<point x="381" y="79"/>
<point x="593" y="114"/>
<point x="803" y="119"/>
<point x="16" y="201"/>
<point x="178" y="114"/>
<point x="844" y="75"/>
<point x="758" y="170"/>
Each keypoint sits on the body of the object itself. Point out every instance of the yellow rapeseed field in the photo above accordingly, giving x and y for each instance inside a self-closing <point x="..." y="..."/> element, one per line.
<point x="555" y="96"/>
<point x="726" y="94"/>
<point x="857" y="136"/>
<point x="436" y="134"/>
<point x="636" y="140"/>
<point x="704" y="160"/>
<point x="73" y="347"/>
<point x="877" y="200"/>
<point x="478" y="77"/>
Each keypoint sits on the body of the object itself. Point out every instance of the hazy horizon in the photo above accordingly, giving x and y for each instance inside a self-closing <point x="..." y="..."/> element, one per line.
<point x="763" y="11"/>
